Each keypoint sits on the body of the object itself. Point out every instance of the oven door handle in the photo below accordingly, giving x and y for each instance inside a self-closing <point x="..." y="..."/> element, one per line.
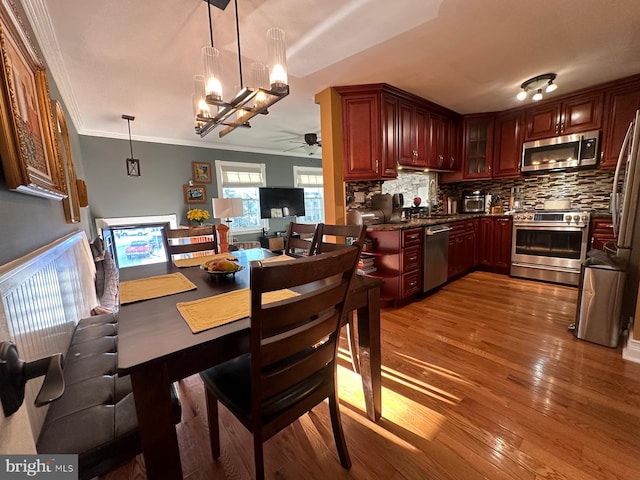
<point x="543" y="267"/>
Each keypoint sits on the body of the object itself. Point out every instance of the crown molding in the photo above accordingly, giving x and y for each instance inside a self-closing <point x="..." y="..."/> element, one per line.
<point x="38" y="17"/>
<point x="195" y="143"/>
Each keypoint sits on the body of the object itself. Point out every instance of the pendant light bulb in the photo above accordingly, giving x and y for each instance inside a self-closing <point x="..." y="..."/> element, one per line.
<point x="522" y="95"/>
<point x="552" y="87"/>
<point x="537" y="96"/>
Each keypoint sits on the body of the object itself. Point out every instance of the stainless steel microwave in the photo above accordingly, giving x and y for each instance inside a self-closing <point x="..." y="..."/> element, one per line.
<point x="567" y="151"/>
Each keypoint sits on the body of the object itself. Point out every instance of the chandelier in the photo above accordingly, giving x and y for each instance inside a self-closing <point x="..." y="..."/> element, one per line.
<point x="537" y="84"/>
<point x="267" y="85"/>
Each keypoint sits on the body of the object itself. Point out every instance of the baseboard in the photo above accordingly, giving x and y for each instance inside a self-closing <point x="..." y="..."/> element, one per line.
<point x="631" y="351"/>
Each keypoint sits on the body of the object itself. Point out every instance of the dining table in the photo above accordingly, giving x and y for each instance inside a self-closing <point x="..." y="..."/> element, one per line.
<point x="156" y="347"/>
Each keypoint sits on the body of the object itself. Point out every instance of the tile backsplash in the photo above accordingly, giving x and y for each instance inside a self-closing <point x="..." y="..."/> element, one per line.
<point x="586" y="189"/>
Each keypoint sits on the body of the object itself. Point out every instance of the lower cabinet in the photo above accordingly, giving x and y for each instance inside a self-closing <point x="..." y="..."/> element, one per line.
<point x="398" y="259"/>
<point x="494" y="244"/>
<point x="462" y="247"/>
<point x="602" y="233"/>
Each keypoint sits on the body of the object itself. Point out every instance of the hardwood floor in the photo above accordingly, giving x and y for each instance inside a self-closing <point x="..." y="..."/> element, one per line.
<point x="481" y="380"/>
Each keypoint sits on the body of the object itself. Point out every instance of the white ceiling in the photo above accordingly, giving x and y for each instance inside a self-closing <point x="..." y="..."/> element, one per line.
<point x="110" y="57"/>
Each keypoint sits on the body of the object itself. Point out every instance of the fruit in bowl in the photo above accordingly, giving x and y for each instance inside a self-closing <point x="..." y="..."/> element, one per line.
<point x="224" y="265"/>
<point x="417" y="201"/>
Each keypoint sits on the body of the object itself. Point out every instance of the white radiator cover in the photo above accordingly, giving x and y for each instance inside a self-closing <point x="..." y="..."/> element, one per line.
<point x="42" y="297"/>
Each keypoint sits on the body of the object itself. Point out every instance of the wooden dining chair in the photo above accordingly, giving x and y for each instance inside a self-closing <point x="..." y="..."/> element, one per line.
<point x="194" y="240"/>
<point x="331" y="238"/>
<point x="301" y="239"/>
<point x="291" y="366"/>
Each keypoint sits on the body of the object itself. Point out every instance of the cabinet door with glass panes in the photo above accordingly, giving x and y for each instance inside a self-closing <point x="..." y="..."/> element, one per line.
<point x="478" y="146"/>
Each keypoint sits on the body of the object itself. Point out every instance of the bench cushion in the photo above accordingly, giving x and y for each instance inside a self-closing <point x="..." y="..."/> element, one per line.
<point x="96" y="417"/>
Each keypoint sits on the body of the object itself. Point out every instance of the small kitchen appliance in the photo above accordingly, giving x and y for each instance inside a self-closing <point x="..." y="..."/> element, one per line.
<point x="473" y="201"/>
<point x="557" y="153"/>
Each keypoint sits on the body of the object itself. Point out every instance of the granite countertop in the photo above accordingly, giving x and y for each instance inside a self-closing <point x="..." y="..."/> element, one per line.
<point x="434" y="220"/>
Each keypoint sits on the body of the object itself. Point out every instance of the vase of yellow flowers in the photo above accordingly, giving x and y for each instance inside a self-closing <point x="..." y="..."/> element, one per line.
<point x="197" y="216"/>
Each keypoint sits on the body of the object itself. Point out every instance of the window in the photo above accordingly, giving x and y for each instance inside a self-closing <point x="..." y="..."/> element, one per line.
<point x="310" y="178"/>
<point x="242" y="180"/>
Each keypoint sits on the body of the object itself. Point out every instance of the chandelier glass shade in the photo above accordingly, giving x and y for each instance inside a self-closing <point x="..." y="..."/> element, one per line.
<point x="266" y="86"/>
<point x="537" y="84"/>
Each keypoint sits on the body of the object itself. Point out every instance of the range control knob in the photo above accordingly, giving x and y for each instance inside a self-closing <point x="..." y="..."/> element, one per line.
<point x="584" y="218"/>
<point x="576" y="218"/>
<point x="568" y="218"/>
<point x="529" y="217"/>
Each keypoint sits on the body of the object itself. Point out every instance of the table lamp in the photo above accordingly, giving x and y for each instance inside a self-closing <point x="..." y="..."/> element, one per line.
<point x="227" y="208"/>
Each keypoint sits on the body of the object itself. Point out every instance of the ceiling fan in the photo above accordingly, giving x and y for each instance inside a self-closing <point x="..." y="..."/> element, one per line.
<point x="311" y="144"/>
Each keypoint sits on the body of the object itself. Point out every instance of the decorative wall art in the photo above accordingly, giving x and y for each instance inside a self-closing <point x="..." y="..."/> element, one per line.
<point x="71" y="203"/>
<point x="195" y="193"/>
<point x="28" y="138"/>
<point x="201" y="172"/>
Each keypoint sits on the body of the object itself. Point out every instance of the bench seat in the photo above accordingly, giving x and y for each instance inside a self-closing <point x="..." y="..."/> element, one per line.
<point x="96" y="416"/>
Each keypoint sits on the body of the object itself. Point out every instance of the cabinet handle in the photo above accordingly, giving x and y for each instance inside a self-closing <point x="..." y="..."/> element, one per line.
<point x="562" y="127"/>
<point x="377" y="165"/>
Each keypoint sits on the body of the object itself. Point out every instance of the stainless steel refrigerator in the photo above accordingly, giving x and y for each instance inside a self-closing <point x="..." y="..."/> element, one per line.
<point x="609" y="283"/>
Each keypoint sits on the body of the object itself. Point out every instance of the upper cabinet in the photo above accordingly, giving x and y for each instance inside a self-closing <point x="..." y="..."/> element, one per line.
<point x="413" y="136"/>
<point x="574" y="114"/>
<point x="621" y="105"/>
<point x="477" y="146"/>
<point x="508" y="144"/>
<point x="369" y="131"/>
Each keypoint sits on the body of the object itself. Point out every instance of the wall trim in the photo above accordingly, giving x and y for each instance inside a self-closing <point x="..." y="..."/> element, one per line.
<point x="631" y="351"/>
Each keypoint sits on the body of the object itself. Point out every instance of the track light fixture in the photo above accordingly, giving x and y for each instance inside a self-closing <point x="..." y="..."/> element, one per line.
<point x="268" y="86"/>
<point x="544" y="81"/>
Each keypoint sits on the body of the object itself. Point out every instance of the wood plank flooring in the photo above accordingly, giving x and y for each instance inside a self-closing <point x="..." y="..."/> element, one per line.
<point x="481" y="380"/>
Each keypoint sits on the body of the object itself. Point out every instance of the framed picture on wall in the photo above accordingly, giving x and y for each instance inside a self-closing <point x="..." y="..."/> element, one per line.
<point x="29" y="146"/>
<point x="201" y="172"/>
<point x="195" y="193"/>
<point x="70" y="204"/>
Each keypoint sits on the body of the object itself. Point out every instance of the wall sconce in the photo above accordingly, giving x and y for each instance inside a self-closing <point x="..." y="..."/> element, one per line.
<point x="544" y="81"/>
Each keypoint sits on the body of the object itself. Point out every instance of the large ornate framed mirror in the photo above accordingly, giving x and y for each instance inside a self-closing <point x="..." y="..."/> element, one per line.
<point x="71" y="203"/>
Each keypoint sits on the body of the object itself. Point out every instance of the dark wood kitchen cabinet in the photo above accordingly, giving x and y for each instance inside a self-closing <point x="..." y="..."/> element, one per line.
<point x="370" y="133"/>
<point x="443" y="152"/>
<point x="508" y="144"/>
<point x="621" y="105"/>
<point x="398" y="259"/>
<point x="414" y="135"/>
<point x="462" y="248"/>
<point x="574" y="114"/>
<point x="602" y="233"/>
<point x="477" y="146"/>
<point x="494" y="244"/>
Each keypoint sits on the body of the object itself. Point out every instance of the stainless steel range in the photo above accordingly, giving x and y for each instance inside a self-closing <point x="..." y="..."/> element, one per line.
<point x="550" y="245"/>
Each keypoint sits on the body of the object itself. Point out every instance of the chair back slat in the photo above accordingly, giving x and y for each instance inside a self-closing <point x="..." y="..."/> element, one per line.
<point x="290" y="313"/>
<point x="333" y="237"/>
<point x="277" y="380"/>
<point x="201" y="239"/>
<point x="310" y="334"/>
<point x="284" y="351"/>
<point x="301" y="239"/>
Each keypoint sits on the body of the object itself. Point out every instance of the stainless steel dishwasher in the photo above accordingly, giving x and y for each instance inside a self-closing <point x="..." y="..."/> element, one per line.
<point x="436" y="256"/>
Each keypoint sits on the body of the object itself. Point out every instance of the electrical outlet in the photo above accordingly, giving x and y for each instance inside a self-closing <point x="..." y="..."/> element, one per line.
<point x="359" y="197"/>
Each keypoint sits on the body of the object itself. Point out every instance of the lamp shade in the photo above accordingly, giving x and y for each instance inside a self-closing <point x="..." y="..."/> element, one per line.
<point x="227" y="207"/>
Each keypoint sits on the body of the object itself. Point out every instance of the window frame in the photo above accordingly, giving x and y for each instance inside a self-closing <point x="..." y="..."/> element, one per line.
<point x="297" y="169"/>
<point x="220" y="166"/>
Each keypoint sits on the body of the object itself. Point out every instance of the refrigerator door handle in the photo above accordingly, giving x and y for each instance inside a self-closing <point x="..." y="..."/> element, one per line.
<point x="615" y="208"/>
